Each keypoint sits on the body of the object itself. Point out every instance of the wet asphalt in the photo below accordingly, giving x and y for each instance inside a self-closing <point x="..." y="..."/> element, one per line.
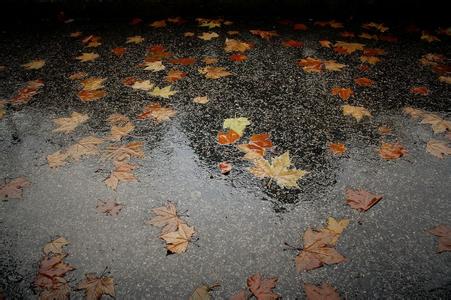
<point x="241" y="223"/>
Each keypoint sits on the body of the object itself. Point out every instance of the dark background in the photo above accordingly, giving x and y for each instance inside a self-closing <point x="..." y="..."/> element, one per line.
<point x="434" y="11"/>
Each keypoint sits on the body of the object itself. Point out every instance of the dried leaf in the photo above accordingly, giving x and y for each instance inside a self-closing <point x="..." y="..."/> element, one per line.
<point x="165" y="92"/>
<point x="323" y="292"/>
<point x="13" y="189"/>
<point x="202" y="292"/>
<point x="137" y="39"/>
<point x="228" y="138"/>
<point x="348" y="48"/>
<point x="92" y="83"/>
<point x="119" y="51"/>
<point x="166" y="217"/>
<point x="207" y="36"/>
<point x="439" y="125"/>
<point x="88" y="96"/>
<point x="337" y="148"/>
<point x="85" y="57"/>
<point x="144" y="85"/>
<point x="109" y="207"/>
<point x="293" y="44"/>
<point x="123" y="152"/>
<point x="123" y="171"/>
<point x="262" y="288"/>
<point x="154" y="66"/>
<point x="264" y="34"/>
<point x="183" y="61"/>
<point x="225" y="167"/>
<point x="34" y="64"/>
<point x="174" y="75"/>
<point x="84" y="147"/>
<point x="55" y="246"/>
<point x="442" y="231"/>
<point x="256" y="148"/>
<point x="238" y="57"/>
<point x="177" y="241"/>
<point x="236" y="124"/>
<point x="372" y="60"/>
<point x="363" y="81"/>
<point x="420" y="90"/>
<point x="157" y="112"/>
<point x="201" y="100"/>
<point x="343" y="93"/>
<point x="361" y="200"/>
<point x="214" y="72"/>
<point x="69" y="124"/>
<point x="95" y="287"/>
<point x="438" y="148"/>
<point x="392" y="151"/>
<point x="358" y="112"/>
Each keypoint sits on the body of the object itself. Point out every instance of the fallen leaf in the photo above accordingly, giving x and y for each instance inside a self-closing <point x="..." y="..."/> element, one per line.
<point x="238" y="57"/>
<point x="119" y="51"/>
<point x="109" y="207"/>
<point x="158" y="24"/>
<point x="25" y="94"/>
<point x="347" y="34"/>
<point x="120" y="126"/>
<point x="361" y="200"/>
<point x="232" y="45"/>
<point x="413" y="112"/>
<point x="358" y="112"/>
<point x="348" y="48"/>
<point x="174" y="75"/>
<point x="137" y="39"/>
<point x="144" y="85"/>
<point x="343" y="93"/>
<point x="58" y="291"/>
<point x="201" y="100"/>
<point x="384" y="130"/>
<point x="331" y="24"/>
<point x="154" y="66"/>
<point x="214" y="72"/>
<point x="420" y="90"/>
<point x="363" y="81"/>
<point x="256" y="148"/>
<point x="373" y="51"/>
<point x="391" y="151"/>
<point x="300" y="26"/>
<point x="337" y="148"/>
<point x="225" y="167"/>
<point x="88" y="96"/>
<point x="311" y="64"/>
<point x="228" y="137"/>
<point x="95" y="287"/>
<point x="207" y="36"/>
<point x="236" y="124"/>
<point x="165" y="92"/>
<point x="188" y="34"/>
<point x="124" y="152"/>
<point x="93" y="83"/>
<point x="323" y="292"/>
<point x="372" y="60"/>
<point x="183" y="61"/>
<point x="86" y="146"/>
<point x="55" y="246"/>
<point x="166" y="217"/>
<point x="202" y="292"/>
<point x="325" y="43"/>
<point x="292" y="43"/>
<point x="439" y="125"/>
<point x="429" y="37"/>
<point x="54" y="266"/>
<point x="177" y="241"/>
<point x="210" y="60"/>
<point x="262" y="288"/>
<point x="378" y="26"/>
<point x="78" y="75"/>
<point x="264" y="34"/>
<point x="438" y="148"/>
<point x="13" y="189"/>
<point x="443" y="232"/>
<point x="123" y="172"/>
<point x="445" y="79"/>
<point x="34" y="64"/>
<point x="279" y="170"/>
<point x="332" y="65"/>
<point x="85" y="57"/>
<point x="157" y="112"/>
<point x="69" y="124"/>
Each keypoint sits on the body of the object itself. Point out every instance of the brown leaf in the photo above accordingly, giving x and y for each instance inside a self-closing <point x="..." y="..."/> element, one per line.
<point x="232" y="45"/>
<point x="54" y="266"/>
<point x="120" y="126"/>
<point x="442" y="231"/>
<point x="438" y="148"/>
<point x="67" y="125"/>
<point x="84" y="147"/>
<point x="13" y="189"/>
<point x="183" y="61"/>
<point x="361" y="199"/>
<point x="228" y="137"/>
<point x="439" y="125"/>
<point x="95" y="287"/>
<point x="323" y="292"/>
<point x="119" y="51"/>
<point x="123" y="171"/>
<point x="256" y="148"/>
<point x="238" y="57"/>
<point x="166" y="217"/>
<point x="174" y="75"/>
<point x="214" y="72"/>
<point x="59" y="290"/>
<point x="109" y="207"/>
<point x="420" y="90"/>
<point x="264" y="34"/>
<point x="202" y="292"/>
<point x="88" y="96"/>
<point x="262" y="288"/>
<point x="55" y="246"/>
<point x="177" y="241"/>
<point x="225" y="167"/>
<point x="124" y="152"/>
<point x="292" y="43"/>
<point x="25" y="94"/>
<point x="337" y="148"/>
<point x="372" y="60"/>
<point x="363" y="81"/>
<point x="384" y="130"/>
<point x="157" y="112"/>
<point x="358" y="112"/>
<point x="343" y="93"/>
<point x="392" y="151"/>
<point x="310" y="64"/>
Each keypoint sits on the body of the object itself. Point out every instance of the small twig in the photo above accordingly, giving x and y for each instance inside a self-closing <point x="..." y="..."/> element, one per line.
<point x="291" y="247"/>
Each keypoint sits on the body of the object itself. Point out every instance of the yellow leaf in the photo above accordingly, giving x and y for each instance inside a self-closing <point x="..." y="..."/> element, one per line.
<point x="207" y="36"/>
<point x="55" y="246"/>
<point x="232" y="45"/>
<point x="165" y="92"/>
<point x="214" y="72"/>
<point x="278" y="170"/>
<point x="137" y="39"/>
<point x="154" y="66"/>
<point x="144" y="85"/>
<point x="34" y="64"/>
<point x="84" y="57"/>
<point x="358" y="112"/>
<point x="236" y="124"/>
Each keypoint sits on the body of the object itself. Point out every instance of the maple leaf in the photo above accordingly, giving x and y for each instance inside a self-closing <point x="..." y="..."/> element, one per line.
<point x="348" y="48"/>
<point x="183" y="61"/>
<point x="243" y="294"/>
<point x="92" y="83"/>
<point x="137" y="39"/>
<point x="264" y="34"/>
<point x="202" y="292"/>
<point x="122" y="172"/>
<point x="439" y="125"/>
<point x="256" y="148"/>
<point x="59" y="290"/>
<point x="144" y="85"/>
<point x="88" y="96"/>
<point x="55" y="246"/>
<point x="278" y="170"/>
<point x="378" y="26"/>
<point x="238" y="57"/>
<point x="109" y="207"/>
<point x="391" y="151"/>
<point x="438" y="148"/>
<point x="337" y="148"/>
<point x="236" y="124"/>
<point x="209" y="60"/>
<point x="372" y="60"/>
<point x="166" y="217"/>
<point x="201" y="100"/>
<point x="413" y="112"/>
<point x="225" y="167"/>
<point x="157" y="112"/>
<point x="123" y="152"/>
<point x="13" y="189"/>
<point x="69" y="124"/>
<point x="95" y="287"/>
<point x="293" y="43"/>
<point x="120" y="126"/>
<point x="165" y="92"/>
<point x="262" y="288"/>
<point x="361" y="200"/>
<point x="154" y="66"/>
<point x="54" y="266"/>
<point x="325" y="43"/>
<point x="78" y="75"/>
<point x="214" y="72"/>
<point x="84" y="147"/>
<point x="358" y="112"/>
<point x="177" y="241"/>
<point x="228" y="137"/>
<point x="34" y="64"/>
<point x="233" y="32"/>
<point x="323" y="292"/>
<point x="335" y="227"/>
<point x="366" y="35"/>
<point x="332" y="65"/>
<point x="25" y="94"/>
<point x="207" y="36"/>
<point x="232" y="45"/>
<point x="210" y="23"/>
<point x="310" y="64"/>
<point x="119" y="51"/>
<point x="420" y="90"/>
<point x="318" y="250"/>
<point x="442" y="231"/>
<point x="343" y="93"/>
<point x="174" y="75"/>
<point x="363" y="81"/>
<point x="85" y="57"/>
